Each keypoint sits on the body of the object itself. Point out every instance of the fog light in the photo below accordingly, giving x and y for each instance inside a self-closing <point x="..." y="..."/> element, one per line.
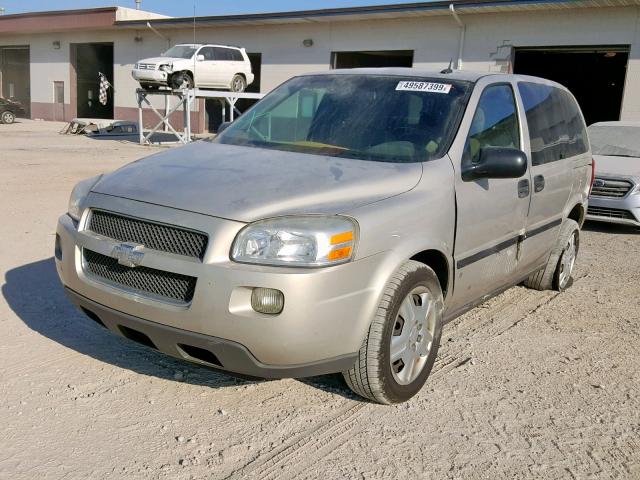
<point x="267" y="300"/>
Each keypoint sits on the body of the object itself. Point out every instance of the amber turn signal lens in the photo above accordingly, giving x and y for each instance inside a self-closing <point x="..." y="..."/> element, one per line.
<point x="343" y="237"/>
<point x="339" y="254"/>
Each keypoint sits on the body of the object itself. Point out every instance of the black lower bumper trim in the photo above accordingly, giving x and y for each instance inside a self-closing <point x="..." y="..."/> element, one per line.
<point x="231" y="356"/>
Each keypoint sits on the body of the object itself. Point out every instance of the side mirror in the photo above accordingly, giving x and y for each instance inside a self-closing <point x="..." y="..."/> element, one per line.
<point x="200" y="58"/>
<point x="496" y="162"/>
<point x="223" y="126"/>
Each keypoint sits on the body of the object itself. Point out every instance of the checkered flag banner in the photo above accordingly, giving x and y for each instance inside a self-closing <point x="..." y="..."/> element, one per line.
<point x="104" y="87"/>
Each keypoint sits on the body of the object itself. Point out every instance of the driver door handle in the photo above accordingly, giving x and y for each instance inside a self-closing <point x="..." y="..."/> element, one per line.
<point x="538" y="183"/>
<point x="523" y="188"/>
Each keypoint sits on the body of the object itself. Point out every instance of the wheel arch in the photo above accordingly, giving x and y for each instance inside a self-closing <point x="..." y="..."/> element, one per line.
<point x="439" y="263"/>
<point x="577" y="213"/>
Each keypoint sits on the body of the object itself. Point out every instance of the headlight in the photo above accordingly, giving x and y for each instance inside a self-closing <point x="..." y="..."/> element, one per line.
<point x="78" y="194"/>
<point x="303" y="241"/>
<point x="166" y="68"/>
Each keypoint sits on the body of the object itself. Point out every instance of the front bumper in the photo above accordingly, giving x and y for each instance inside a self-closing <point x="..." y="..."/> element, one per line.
<point x="325" y="319"/>
<point x="150" y="76"/>
<point x="623" y="211"/>
<point x="202" y="349"/>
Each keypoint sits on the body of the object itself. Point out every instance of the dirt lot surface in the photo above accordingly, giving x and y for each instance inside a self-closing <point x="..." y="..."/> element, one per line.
<point x="529" y="385"/>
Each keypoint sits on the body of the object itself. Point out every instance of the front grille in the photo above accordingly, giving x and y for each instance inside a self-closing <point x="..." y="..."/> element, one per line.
<point x="146" y="66"/>
<point x="172" y="286"/>
<point x="604" y="187"/>
<point x="155" y="236"/>
<point x="610" y="213"/>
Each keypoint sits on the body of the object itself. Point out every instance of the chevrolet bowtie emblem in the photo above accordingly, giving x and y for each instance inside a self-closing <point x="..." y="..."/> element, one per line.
<point x="128" y="255"/>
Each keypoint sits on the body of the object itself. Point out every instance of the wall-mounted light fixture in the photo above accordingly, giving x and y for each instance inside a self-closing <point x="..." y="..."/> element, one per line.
<point x="307" y="42"/>
<point x="56" y="44"/>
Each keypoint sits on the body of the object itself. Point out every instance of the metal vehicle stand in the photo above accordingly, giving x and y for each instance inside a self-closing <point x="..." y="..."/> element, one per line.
<point x="186" y="99"/>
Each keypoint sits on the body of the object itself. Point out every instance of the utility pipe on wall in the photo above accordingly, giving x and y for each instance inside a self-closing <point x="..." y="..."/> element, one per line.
<point x="463" y="29"/>
<point x="154" y="30"/>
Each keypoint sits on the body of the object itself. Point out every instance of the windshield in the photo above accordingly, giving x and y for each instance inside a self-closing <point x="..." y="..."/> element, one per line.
<point x="180" y="51"/>
<point x="615" y="141"/>
<point x="382" y="118"/>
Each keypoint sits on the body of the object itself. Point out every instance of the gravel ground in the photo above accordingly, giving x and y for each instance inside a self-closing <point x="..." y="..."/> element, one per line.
<point x="529" y="385"/>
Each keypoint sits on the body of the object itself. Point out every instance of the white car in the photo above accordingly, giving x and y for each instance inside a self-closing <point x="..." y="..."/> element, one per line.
<point x="196" y="65"/>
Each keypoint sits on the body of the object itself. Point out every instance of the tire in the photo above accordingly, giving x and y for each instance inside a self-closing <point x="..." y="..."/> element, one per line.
<point x="556" y="275"/>
<point x="181" y="80"/>
<point x="7" y="117"/>
<point x="238" y="83"/>
<point x="373" y="376"/>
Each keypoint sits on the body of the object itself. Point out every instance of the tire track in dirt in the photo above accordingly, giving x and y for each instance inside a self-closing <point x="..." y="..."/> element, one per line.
<point x="308" y="448"/>
<point x="314" y="442"/>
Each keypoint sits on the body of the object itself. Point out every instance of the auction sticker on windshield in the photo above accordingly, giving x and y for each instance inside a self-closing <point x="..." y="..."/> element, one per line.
<point x="424" y="87"/>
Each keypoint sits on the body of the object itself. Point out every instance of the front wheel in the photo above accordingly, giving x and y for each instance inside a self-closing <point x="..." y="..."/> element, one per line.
<point x="7" y="117"/>
<point x="401" y="345"/>
<point x="181" y="81"/>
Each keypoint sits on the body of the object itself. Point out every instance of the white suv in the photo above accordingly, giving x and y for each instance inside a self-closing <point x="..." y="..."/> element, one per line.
<point x="202" y="66"/>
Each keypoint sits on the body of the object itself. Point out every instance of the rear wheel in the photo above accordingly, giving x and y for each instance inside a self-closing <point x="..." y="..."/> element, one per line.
<point x="7" y="117"/>
<point x="238" y="83"/>
<point x="556" y="275"/>
<point x="401" y="345"/>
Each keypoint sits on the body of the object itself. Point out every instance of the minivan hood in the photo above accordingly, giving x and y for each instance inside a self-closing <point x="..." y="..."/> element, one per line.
<point x="612" y="166"/>
<point x="248" y="184"/>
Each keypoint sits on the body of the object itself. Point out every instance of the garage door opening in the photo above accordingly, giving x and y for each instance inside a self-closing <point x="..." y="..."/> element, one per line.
<point x="595" y="75"/>
<point x="88" y="60"/>
<point x="15" y="77"/>
<point x="372" y="59"/>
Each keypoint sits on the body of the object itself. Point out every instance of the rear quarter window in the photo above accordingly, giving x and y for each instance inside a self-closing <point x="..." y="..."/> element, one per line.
<point x="556" y="128"/>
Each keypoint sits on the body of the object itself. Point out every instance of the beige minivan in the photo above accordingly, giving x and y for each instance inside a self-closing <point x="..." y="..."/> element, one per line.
<point x="337" y="225"/>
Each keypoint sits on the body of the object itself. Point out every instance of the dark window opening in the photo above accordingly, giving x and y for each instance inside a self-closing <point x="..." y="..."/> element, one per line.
<point x="595" y="75"/>
<point x="15" y="76"/>
<point x="372" y="59"/>
<point x="90" y="59"/>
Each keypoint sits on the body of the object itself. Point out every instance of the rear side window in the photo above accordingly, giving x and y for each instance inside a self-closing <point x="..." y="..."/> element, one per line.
<point x="556" y="128"/>
<point x="223" y="54"/>
<point x="495" y="122"/>
<point x="236" y="55"/>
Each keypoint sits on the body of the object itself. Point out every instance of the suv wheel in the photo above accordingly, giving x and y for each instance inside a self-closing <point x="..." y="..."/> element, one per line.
<point x="180" y="81"/>
<point x="400" y="348"/>
<point x="7" y="117"/>
<point x="556" y="275"/>
<point x="238" y="83"/>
